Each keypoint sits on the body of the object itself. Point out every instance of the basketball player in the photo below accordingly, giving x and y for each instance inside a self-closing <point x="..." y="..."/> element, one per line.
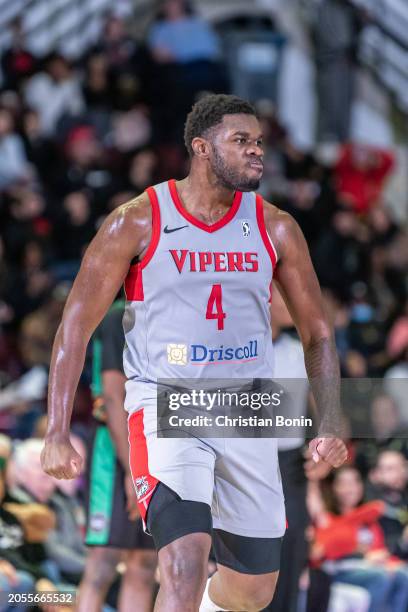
<point x="114" y="531"/>
<point x="197" y="258"/>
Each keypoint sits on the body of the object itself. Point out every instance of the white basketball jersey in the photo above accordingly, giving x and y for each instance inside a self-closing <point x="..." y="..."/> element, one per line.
<point x="198" y="302"/>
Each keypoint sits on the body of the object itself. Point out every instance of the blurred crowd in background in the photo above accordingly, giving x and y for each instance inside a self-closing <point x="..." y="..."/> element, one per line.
<point x="77" y="139"/>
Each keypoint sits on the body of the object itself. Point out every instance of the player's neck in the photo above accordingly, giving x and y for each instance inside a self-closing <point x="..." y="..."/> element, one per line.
<point x="199" y="193"/>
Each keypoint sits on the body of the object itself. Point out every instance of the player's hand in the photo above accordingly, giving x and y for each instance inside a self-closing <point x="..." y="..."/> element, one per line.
<point x="60" y="459"/>
<point x="315" y="471"/>
<point x="131" y="498"/>
<point x="331" y="450"/>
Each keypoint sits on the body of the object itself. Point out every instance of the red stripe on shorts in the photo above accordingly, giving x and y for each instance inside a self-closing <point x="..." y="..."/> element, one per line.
<point x="143" y="481"/>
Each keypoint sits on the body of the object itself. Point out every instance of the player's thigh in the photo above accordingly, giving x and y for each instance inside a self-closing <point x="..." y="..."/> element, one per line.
<point x="183" y="563"/>
<point x="248" y="496"/>
<point x="186" y="465"/>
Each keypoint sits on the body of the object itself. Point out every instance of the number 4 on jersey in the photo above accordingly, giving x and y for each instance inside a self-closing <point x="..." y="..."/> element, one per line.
<point x="214" y="306"/>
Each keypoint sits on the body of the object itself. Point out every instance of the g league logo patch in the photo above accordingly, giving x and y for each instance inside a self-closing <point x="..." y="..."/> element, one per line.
<point x="246" y="228"/>
<point x="142" y="486"/>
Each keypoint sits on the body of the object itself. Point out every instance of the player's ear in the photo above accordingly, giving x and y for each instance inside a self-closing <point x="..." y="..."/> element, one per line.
<point x="201" y="147"/>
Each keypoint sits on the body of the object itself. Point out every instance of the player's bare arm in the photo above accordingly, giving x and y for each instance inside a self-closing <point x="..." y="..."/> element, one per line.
<point x="300" y="289"/>
<point x="124" y="235"/>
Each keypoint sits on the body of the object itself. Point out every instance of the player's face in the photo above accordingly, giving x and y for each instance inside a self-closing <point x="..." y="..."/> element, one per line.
<point x="237" y="154"/>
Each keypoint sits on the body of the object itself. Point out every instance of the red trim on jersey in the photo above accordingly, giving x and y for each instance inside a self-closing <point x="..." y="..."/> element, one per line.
<point x="134" y="284"/>
<point x="207" y="228"/>
<point x="139" y="463"/>
<point x="262" y="228"/>
<point x="134" y="278"/>
<point x="154" y="241"/>
<point x="130" y="282"/>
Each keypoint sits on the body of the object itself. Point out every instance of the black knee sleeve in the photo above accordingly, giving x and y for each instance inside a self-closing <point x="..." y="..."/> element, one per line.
<point x="169" y="517"/>
<point x="247" y="555"/>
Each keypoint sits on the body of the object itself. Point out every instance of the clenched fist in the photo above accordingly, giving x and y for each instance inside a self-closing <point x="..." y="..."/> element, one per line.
<point x="331" y="450"/>
<point x="60" y="459"/>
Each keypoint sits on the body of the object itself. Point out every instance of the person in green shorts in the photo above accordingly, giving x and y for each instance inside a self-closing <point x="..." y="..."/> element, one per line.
<point x="114" y="531"/>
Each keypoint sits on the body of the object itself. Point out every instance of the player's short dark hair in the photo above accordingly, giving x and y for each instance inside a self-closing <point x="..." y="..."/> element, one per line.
<point x="209" y="111"/>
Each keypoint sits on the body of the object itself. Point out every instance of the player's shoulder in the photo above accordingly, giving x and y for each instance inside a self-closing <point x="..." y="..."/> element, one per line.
<point x="131" y="219"/>
<point x="279" y="223"/>
<point x="134" y="210"/>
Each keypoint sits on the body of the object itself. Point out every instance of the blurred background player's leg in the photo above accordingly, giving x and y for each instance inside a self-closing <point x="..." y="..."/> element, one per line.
<point x="136" y="592"/>
<point x="100" y="572"/>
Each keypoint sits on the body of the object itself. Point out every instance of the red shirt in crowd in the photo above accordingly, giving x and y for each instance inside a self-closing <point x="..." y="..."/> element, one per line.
<point x="360" y="174"/>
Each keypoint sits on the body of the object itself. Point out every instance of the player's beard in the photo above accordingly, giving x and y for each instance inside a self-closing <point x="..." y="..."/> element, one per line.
<point x="229" y="177"/>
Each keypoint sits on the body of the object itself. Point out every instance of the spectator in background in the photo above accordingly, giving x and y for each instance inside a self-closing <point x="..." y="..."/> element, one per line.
<point x="54" y="93"/>
<point x="14" y="167"/>
<point x="6" y="311"/>
<point x="341" y="252"/>
<point x="24" y="517"/>
<point x="27" y="482"/>
<point x="27" y="220"/>
<point x="387" y="434"/>
<point x="84" y="166"/>
<point x="389" y="482"/>
<point x="349" y="542"/>
<point x="21" y="536"/>
<point x="65" y="544"/>
<point x="126" y="62"/>
<point x="131" y="130"/>
<point x="40" y="150"/>
<point x="17" y="63"/>
<point x="180" y="36"/>
<point x="360" y="174"/>
<point x="99" y="86"/>
<point x="38" y="329"/>
<point x="186" y="60"/>
<point x="119" y="49"/>
<point x="31" y="282"/>
<point x="142" y="171"/>
<point x="30" y="485"/>
<point x="366" y="332"/>
<point x="75" y="227"/>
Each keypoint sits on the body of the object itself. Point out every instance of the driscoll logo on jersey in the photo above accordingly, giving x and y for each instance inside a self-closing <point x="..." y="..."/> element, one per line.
<point x="205" y="261"/>
<point x="203" y="354"/>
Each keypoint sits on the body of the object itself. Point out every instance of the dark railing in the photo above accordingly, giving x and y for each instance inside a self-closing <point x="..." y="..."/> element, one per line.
<point x="48" y="23"/>
<point x="383" y="45"/>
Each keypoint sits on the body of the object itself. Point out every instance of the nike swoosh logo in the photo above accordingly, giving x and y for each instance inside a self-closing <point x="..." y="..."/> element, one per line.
<point x="167" y="230"/>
